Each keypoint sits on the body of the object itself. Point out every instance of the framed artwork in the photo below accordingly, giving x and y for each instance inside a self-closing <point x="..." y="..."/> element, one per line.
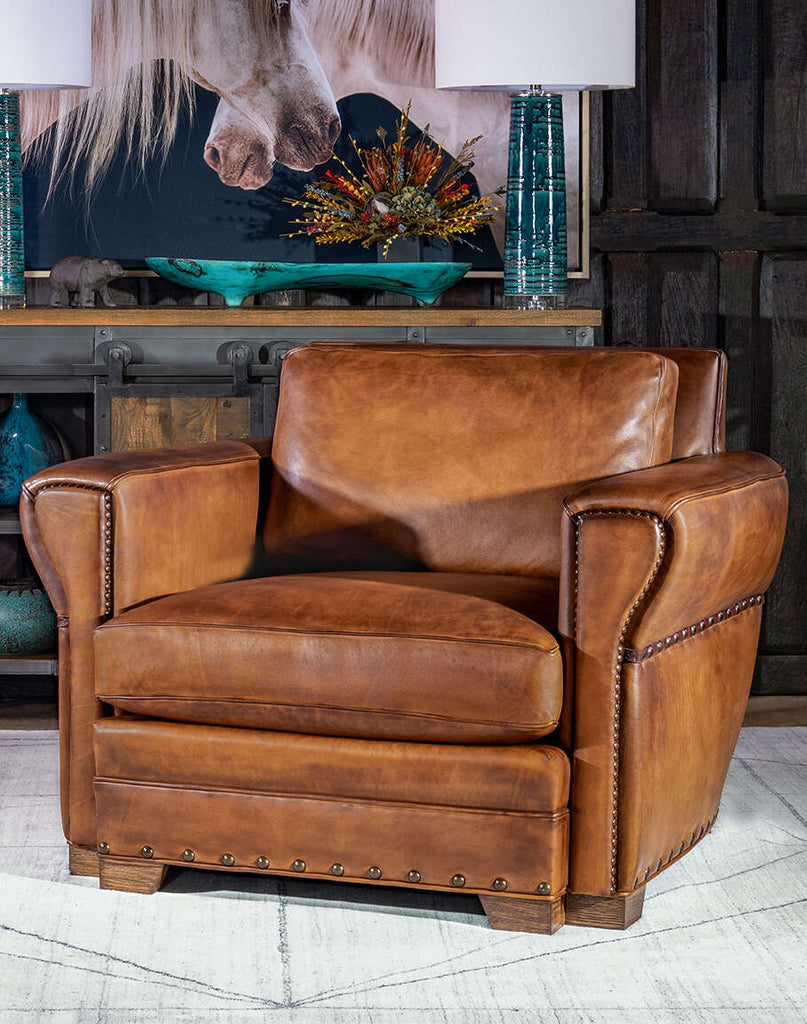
<point x="201" y="120"/>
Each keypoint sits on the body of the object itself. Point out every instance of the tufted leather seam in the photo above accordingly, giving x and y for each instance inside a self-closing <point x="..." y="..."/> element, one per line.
<point x="106" y="528"/>
<point x="347" y="708"/>
<point x="517" y="644"/>
<point x="617" y="671"/>
<point x="635" y="656"/>
<point x="560" y="815"/>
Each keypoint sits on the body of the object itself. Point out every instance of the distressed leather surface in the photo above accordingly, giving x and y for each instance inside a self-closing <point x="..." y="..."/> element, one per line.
<point x="449" y="458"/>
<point x="456" y="658"/>
<point x="484" y="812"/>
<point x="523" y="777"/>
<point x="115" y="529"/>
<point x="700" y="407"/>
<point x="645" y="555"/>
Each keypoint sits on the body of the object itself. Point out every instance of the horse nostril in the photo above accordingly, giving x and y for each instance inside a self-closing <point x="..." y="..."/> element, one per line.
<point x="212" y="157"/>
<point x="333" y="129"/>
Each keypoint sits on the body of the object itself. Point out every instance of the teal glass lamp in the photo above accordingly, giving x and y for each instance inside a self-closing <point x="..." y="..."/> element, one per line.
<point x="44" y="44"/>
<point x="511" y="46"/>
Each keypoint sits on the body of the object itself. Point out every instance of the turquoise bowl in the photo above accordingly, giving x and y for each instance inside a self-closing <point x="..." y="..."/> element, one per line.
<point x="234" y="280"/>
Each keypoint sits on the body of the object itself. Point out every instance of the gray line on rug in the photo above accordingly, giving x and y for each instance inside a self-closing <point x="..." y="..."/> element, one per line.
<point x="766" y="785"/>
<point x="190" y="984"/>
<point x="540" y="956"/>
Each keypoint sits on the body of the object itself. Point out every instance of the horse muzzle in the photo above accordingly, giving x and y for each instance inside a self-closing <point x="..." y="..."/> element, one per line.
<point x="301" y="145"/>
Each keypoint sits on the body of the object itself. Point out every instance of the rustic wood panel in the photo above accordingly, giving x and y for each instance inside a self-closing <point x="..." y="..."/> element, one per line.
<point x="627" y="321"/>
<point x="785" y="98"/>
<point x="627" y="145"/>
<point x="682" y="63"/>
<point x="683" y="299"/>
<point x="739" y="318"/>
<point x="739" y="105"/>
<point x="150" y="422"/>
<point x="783" y="308"/>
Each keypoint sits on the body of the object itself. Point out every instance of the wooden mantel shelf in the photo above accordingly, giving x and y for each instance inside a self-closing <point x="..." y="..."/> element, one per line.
<point x="309" y="316"/>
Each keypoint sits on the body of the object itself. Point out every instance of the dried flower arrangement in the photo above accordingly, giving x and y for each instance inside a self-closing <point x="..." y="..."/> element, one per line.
<point x="406" y="190"/>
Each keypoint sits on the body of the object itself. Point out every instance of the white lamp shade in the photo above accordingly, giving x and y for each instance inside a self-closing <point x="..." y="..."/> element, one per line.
<point x="45" y="44"/>
<point x="557" y="44"/>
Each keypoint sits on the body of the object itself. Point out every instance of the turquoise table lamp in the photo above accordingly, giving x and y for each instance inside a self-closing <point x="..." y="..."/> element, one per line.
<point x="512" y="46"/>
<point x="44" y="44"/>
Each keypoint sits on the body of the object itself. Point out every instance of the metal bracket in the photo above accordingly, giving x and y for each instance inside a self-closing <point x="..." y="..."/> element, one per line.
<point x="117" y="357"/>
<point x="239" y="355"/>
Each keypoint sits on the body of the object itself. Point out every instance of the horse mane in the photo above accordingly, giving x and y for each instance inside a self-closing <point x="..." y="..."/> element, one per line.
<point x="140" y="92"/>
<point x="399" y="34"/>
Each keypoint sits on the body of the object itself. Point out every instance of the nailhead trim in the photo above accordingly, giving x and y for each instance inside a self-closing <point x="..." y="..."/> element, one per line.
<point x="686" y="844"/>
<point x="106" y="525"/>
<point x="635" y="656"/>
<point x="617" y="706"/>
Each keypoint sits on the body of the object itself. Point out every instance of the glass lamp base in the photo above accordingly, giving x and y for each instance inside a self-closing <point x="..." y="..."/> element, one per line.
<point x="521" y="300"/>
<point x="12" y="302"/>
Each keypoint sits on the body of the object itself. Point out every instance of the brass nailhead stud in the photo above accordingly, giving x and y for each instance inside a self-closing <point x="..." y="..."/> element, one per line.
<point x="262" y="863"/>
<point x="499" y="884"/>
<point x="414" y="877"/>
<point x="298" y="865"/>
<point x="188" y="855"/>
<point x="227" y="860"/>
<point x="458" y="880"/>
<point x="659" y="865"/>
<point x="103" y="849"/>
<point x="544" y="889"/>
<point x="374" y="872"/>
<point x="337" y="869"/>
<point x="147" y="852"/>
<point x="647" y="874"/>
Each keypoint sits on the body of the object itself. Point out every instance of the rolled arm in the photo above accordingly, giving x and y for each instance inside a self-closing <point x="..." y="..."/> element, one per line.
<point x="662" y="578"/>
<point x="111" y="531"/>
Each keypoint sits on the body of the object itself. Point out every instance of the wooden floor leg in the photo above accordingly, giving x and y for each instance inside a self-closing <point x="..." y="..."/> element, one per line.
<point x="512" y="914"/>
<point x="82" y="860"/>
<point x="604" y="911"/>
<point x="131" y="875"/>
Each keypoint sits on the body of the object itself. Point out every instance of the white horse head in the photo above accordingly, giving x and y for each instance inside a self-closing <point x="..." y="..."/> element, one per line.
<point x="275" y="81"/>
<point x="254" y="54"/>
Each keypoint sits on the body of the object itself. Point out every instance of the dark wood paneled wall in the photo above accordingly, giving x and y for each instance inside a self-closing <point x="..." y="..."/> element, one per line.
<point x="699" y="237"/>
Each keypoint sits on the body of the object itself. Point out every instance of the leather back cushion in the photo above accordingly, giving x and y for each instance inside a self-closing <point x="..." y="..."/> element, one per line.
<point x="449" y="458"/>
<point x="700" y="412"/>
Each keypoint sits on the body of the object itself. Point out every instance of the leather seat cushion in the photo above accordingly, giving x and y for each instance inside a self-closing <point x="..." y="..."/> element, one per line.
<point x="442" y="657"/>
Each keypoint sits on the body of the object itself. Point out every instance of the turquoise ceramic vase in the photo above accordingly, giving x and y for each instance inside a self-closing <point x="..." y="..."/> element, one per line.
<point x="12" y="264"/>
<point x="27" y="444"/>
<point x="27" y="619"/>
<point x="535" y="212"/>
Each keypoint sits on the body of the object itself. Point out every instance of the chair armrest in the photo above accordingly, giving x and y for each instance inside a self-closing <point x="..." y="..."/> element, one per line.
<point x="112" y="531"/>
<point x="662" y="577"/>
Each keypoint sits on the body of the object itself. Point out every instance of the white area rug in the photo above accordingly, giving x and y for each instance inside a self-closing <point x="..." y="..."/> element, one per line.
<point x="723" y="937"/>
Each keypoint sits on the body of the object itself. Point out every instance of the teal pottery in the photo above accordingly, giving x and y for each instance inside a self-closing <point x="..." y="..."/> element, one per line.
<point x="235" y="280"/>
<point x="27" y="619"/>
<point x="12" y="262"/>
<point x="27" y="444"/>
<point x="535" y="210"/>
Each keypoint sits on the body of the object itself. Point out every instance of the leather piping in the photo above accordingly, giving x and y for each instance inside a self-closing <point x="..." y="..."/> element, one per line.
<point x="106" y="526"/>
<point x="559" y="815"/>
<point x="368" y="635"/>
<point x="636" y="656"/>
<point x="124" y="699"/>
<point x="617" y="671"/>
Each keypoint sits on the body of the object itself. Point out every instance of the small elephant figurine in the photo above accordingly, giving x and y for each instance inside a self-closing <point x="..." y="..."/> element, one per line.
<point x="86" y="277"/>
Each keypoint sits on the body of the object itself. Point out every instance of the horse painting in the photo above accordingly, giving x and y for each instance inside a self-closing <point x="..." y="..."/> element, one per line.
<point x="278" y="67"/>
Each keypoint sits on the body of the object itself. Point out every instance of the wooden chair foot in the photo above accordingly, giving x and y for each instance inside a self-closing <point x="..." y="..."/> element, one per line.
<point x="513" y="914"/>
<point x="604" y="911"/>
<point x="82" y="860"/>
<point x="131" y="875"/>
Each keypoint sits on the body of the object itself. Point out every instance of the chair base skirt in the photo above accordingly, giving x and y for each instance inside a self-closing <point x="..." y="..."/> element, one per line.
<point x="83" y="861"/>
<point x="514" y="914"/>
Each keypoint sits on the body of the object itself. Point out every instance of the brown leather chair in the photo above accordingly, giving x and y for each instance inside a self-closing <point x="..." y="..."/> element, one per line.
<point x="498" y="636"/>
